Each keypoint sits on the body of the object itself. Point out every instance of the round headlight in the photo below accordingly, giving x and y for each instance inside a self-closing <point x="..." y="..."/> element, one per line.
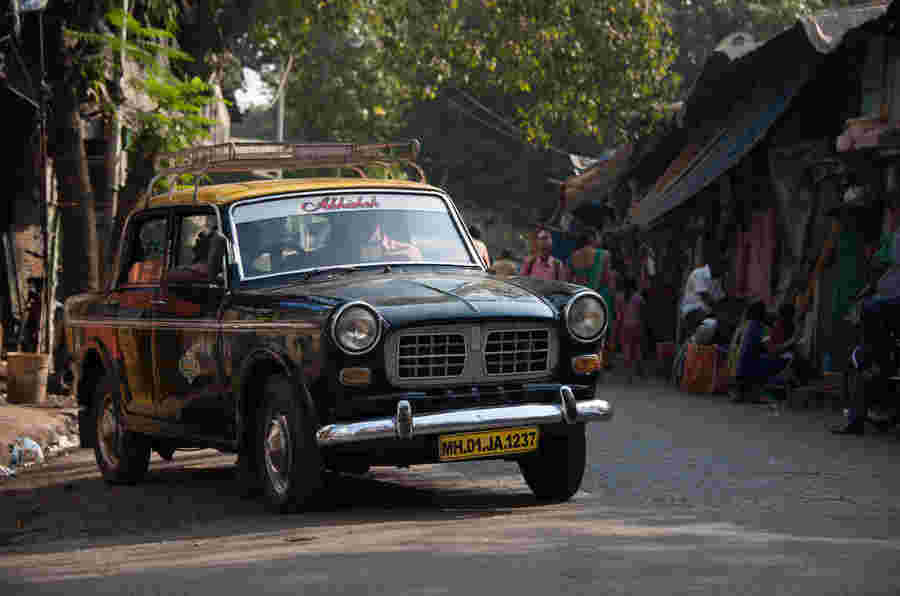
<point x="586" y="317"/>
<point x="355" y="329"/>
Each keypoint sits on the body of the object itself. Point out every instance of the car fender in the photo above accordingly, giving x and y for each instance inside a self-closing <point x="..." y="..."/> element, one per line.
<point x="95" y="344"/>
<point x="279" y="359"/>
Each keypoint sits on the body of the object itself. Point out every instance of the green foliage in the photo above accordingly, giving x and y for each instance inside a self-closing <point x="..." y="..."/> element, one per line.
<point x="177" y="119"/>
<point x="601" y="66"/>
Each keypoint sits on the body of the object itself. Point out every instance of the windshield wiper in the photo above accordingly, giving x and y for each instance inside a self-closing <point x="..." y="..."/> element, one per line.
<point x="316" y="272"/>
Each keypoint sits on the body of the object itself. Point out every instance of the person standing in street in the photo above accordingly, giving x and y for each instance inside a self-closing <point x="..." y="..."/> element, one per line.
<point x="480" y="246"/>
<point x="632" y="329"/>
<point x="544" y="265"/>
<point x="505" y="266"/>
<point x="880" y="320"/>
<point x="589" y="265"/>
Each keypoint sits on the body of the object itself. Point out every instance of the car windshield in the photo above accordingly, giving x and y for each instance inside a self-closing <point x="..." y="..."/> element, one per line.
<point x="300" y="233"/>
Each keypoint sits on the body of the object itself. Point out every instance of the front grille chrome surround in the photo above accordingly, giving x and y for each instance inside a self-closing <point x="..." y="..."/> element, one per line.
<point x="517" y="351"/>
<point x="470" y="354"/>
<point x="431" y="355"/>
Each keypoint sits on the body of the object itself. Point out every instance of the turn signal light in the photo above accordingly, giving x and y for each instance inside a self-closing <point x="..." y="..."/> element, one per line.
<point x="586" y="364"/>
<point x="355" y="376"/>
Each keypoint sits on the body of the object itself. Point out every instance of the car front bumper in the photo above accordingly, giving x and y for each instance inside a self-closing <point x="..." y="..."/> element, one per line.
<point x="405" y="424"/>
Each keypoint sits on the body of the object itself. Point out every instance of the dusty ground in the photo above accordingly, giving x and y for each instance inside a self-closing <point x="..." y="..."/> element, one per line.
<point x="683" y="494"/>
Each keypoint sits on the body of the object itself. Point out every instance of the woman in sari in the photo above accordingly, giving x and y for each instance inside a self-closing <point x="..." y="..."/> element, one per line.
<point x="589" y="266"/>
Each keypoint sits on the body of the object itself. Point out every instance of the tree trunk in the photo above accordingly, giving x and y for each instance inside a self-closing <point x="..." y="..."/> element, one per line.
<point x="80" y="245"/>
<point x="140" y="172"/>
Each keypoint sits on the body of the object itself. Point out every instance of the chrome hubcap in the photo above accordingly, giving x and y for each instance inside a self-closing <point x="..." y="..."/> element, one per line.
<point x="278" y="453"/>
<point x="109" y="431"/>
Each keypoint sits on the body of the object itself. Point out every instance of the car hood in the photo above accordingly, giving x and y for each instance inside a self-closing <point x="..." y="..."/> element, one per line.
<point x="406" y="299"/>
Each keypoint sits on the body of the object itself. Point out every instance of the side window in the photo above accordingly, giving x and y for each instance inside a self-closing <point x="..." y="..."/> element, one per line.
<point x="194" y="248"/>
<point x="193" y="230"/>
<point x="146" y="257"/>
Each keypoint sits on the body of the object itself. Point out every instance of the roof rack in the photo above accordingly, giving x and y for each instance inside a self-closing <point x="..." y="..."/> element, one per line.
<point x="245" y="157"/>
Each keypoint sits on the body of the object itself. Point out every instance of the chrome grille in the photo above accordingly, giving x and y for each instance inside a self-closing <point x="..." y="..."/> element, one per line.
<point x="517" y="351"/>
<point x="430" y="356"/>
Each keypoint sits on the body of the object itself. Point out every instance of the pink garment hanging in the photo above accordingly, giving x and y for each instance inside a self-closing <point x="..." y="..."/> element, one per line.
<point x="755" y="257"/>
<point x="741" y="256"/>
<point x="892" y="218"/>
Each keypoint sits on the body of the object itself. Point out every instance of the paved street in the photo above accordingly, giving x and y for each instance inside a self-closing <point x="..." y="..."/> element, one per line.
<point x="684" y="494"/>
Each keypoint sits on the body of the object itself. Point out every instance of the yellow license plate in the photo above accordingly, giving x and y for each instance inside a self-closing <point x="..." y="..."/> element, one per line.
<point x="502" y="441"/>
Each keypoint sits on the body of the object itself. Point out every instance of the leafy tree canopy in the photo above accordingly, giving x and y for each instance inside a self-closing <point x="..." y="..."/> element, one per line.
<point x="361" y="63"/>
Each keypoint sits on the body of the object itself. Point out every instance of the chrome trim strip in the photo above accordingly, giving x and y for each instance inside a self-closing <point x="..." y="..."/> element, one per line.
<point x="448" y="202"/>
<point x="187" y="324"/>
<point x="462" y="421"/>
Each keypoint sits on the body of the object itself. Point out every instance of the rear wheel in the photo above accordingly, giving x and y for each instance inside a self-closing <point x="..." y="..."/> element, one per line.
<point x="555" y="471"/>
<point x="287" y="458"/>
<point x="122" y="456"/>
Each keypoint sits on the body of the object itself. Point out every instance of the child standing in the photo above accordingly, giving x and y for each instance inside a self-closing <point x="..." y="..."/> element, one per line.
<point x="632" y="329"/>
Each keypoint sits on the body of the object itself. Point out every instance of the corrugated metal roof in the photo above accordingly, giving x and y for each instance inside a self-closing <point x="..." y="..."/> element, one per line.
<point x="776" y="82"/>
<point x="603" y="173"/>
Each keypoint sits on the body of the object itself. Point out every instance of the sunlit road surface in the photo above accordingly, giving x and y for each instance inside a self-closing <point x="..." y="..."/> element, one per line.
<point x="683" y="495"/>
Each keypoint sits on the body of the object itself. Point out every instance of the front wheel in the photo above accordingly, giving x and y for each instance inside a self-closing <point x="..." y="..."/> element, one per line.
<point x="288" y="462"/>
<point x="555" y="471"/>
<point x="122" y="456"/>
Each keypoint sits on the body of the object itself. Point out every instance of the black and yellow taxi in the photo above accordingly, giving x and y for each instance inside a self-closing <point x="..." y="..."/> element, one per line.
<point x="328" y="323"/>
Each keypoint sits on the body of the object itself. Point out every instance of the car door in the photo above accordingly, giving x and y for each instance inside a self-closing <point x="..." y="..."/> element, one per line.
<point x="189" y="382"/>
<point x="130" y="304"/>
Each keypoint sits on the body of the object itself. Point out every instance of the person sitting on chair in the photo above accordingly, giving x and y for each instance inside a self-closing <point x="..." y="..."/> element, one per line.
<point x="755" y="366"/>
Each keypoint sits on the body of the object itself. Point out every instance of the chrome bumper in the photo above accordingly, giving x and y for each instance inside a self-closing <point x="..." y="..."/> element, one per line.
<point x="405" y="425"/>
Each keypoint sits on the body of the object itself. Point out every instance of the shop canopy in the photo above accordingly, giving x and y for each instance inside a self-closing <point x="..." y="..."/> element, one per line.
<point x="758" y="86"/>
<point x="598" y="178"/>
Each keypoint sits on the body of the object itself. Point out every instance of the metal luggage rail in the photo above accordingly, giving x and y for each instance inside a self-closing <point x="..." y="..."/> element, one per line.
<point x="246" y="157"/>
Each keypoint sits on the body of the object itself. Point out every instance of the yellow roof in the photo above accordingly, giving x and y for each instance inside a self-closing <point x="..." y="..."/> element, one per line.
<point x="223" y="194"/>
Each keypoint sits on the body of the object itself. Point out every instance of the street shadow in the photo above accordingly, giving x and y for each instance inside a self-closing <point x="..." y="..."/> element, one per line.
<point x="198" y="497"/>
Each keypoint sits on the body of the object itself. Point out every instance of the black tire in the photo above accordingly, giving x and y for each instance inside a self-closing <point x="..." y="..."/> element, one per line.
<point x="122" y="456"/>
<point x="555" y="471"/>
<point x="290" y="470"/>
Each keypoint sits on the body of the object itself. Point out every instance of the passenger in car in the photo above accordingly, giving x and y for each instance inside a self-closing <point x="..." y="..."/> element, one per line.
<point x="206" y="264"/>
<point x="198" y="269"/>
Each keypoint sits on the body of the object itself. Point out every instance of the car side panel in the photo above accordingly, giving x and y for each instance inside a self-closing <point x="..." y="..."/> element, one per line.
<point x="186" y="351"/>
<point x="256" y="330"/>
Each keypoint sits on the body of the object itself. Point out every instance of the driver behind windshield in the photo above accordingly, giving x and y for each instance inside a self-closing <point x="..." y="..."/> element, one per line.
<point x="389" y="240"/>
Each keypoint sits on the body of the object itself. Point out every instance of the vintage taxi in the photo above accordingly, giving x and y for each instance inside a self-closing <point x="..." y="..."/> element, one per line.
<point x="316" y="324"/>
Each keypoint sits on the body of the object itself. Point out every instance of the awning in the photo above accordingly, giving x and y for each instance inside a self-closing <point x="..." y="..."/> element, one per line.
<point x="775" y="82"/>
<point x="598" y="178"/>
<point x="725" y="150"/>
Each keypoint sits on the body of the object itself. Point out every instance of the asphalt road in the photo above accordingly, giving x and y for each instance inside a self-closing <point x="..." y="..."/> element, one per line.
<point x="683" y="495"/>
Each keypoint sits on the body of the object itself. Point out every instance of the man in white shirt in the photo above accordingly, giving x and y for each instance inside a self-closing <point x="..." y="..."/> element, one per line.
<point x="701" y="291"/>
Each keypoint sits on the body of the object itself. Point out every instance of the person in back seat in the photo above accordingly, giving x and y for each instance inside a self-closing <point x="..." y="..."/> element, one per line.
<point x="144" y="270"/>
<point x="206" y="264"/>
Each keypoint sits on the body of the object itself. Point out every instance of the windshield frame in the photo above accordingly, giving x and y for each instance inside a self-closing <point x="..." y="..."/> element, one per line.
<point x="448" y="203"/>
